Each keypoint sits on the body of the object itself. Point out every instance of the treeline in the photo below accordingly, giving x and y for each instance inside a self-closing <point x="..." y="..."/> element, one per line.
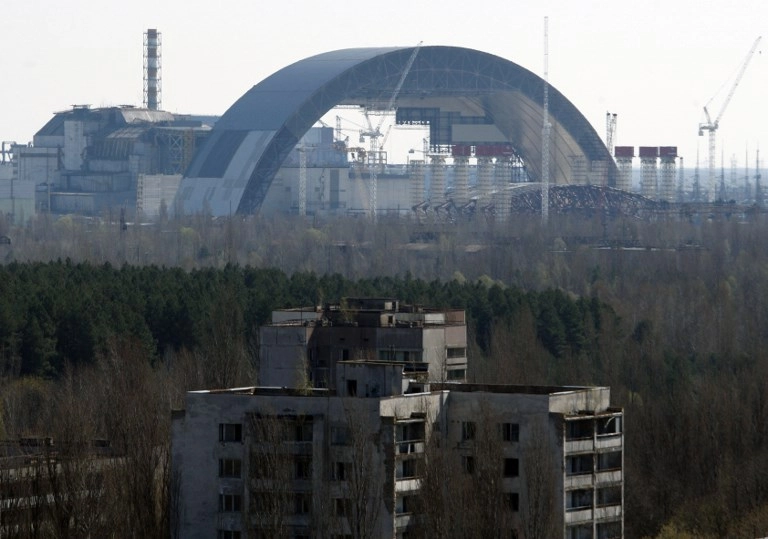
<point x="64" y="313"/>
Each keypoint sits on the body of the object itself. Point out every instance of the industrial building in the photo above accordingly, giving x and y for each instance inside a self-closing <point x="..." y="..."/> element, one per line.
<point x="304" y="345"/>
<point x="482" y="118"/>
<point x="87" y="160"/>
<point x="483" y="115"/>
<point x="307" y="461"/>
<point x="91" y="161"/>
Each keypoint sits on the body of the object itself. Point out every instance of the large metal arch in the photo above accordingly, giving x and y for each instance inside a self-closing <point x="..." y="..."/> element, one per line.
<point x="235" y="167"/>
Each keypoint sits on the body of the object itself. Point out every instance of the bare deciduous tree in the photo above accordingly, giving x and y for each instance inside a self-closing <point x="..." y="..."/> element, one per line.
<point x="539" y="467"/>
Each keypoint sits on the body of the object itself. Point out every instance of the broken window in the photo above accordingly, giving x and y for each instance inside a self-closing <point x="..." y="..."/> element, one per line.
<point x="512" y="499"/>
<point x="302" y="467"/>
<point x="339" y="471"/>
<point x="581" y="464"/>
<point x="578" y="499"/>
<point x="510" y="432"/>
<point x="609" y="530"/>
<point x="230" y="503"/>
<point x="407" y="469"/>
<point x="511" y="467"/>
<point x="230" y="432"/>
<point x="302" y="503"/>
<point x="468" y="430"/>
<point x="230" y="468"/>
<point x="609" y="461"/>
<point x="581" y="531"/>
<point x="406" y="504"/>
<point x="341" y="506"/>
<point x="579" y="430"/>
<point x="607" y="426"/>
<point x="609" y="495"/>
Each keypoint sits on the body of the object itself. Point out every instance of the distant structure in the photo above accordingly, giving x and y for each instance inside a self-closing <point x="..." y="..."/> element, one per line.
<point x="152" y="73"/>
<point x="668" y="160"/>
<point x="307" y="461"/>
<point x="649" y="179"/>
<point x="101" y="161"/>
<point x="466" y="99"/>
<point x="624" y="156"/>
<point x="90" y="161"/>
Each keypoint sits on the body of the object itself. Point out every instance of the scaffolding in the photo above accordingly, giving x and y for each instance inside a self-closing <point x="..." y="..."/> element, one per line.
<point x="668" y="159"/>
<point x="624" y="156"/>
<point x="461" y="181"/>
<point x="437" y="185"/>
<point x="649" y="156"/>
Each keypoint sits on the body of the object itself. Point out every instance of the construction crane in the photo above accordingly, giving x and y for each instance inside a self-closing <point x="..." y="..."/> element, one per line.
<point x="712" y="126"/>
<point x="374" y="134"/>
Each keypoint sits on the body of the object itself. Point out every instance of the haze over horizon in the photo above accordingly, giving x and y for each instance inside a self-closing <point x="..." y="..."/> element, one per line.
<point x="655" y="64"/>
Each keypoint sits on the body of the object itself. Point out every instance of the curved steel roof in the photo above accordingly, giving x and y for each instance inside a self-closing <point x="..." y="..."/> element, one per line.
<point x="247" y="146"/>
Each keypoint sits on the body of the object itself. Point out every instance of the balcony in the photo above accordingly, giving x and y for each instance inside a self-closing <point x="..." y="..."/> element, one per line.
<point x="608" y="512"/>
<point x="584" y="445"/>
<point x="608" y="476"/>
<point x="574" y="516"/>
<point x="613" y="441"/>
<point x="409" y="447"/>
<point x="409" y="484"/>
<point x="403" y="520"/>
<point x="578" y="481"/>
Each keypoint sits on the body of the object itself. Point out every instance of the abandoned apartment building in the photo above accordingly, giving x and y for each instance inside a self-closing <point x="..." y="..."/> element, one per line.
<point x="305" y="344"/>
<point x="356" y="455"/>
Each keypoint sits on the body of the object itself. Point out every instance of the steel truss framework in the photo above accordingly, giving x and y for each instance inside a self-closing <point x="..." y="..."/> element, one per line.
<point x="289" y="102"/>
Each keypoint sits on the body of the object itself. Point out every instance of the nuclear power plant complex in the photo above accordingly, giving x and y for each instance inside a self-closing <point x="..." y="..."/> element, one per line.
<point x="489" y="132"/>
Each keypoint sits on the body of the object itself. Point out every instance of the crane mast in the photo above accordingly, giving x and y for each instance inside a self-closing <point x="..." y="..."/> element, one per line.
<point x="374" y="134"/>
<point x="712" y="126"/>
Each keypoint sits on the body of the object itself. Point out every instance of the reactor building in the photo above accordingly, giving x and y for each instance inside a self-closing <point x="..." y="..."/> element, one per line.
<point x="484" y="116"/>
<point x="270" y="152"/>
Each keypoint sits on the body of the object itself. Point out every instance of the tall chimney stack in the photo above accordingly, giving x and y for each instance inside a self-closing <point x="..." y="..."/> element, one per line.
<point x="152" y="85"/>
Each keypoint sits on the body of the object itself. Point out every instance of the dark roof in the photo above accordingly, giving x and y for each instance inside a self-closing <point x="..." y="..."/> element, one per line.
<point x="235" y="167"/>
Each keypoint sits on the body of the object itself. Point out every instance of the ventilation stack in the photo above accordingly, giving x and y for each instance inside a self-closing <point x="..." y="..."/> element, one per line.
<point x="649" y="156"/>
<point x="437" y="187"/>
<point x="461" y="155"/>
<point x="668" y="157"/>
<point x="152" y="69"/>
<point x="484" y="179"/>
<point x="624" y="156"/>
<point x="503" y="178"/>
<point x="416" y="180"/>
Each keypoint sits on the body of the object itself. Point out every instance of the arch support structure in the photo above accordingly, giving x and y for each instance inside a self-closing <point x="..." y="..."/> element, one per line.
<point x="465" y="97"/>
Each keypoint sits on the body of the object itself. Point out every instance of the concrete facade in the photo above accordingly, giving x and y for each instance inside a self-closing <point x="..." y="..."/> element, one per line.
<point x="88" y="160"/>
<point x="302" y="346"/>
<point x="337" y="448"/>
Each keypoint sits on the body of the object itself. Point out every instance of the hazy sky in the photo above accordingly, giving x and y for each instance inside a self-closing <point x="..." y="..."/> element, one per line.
<point x="654" y="63"/>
